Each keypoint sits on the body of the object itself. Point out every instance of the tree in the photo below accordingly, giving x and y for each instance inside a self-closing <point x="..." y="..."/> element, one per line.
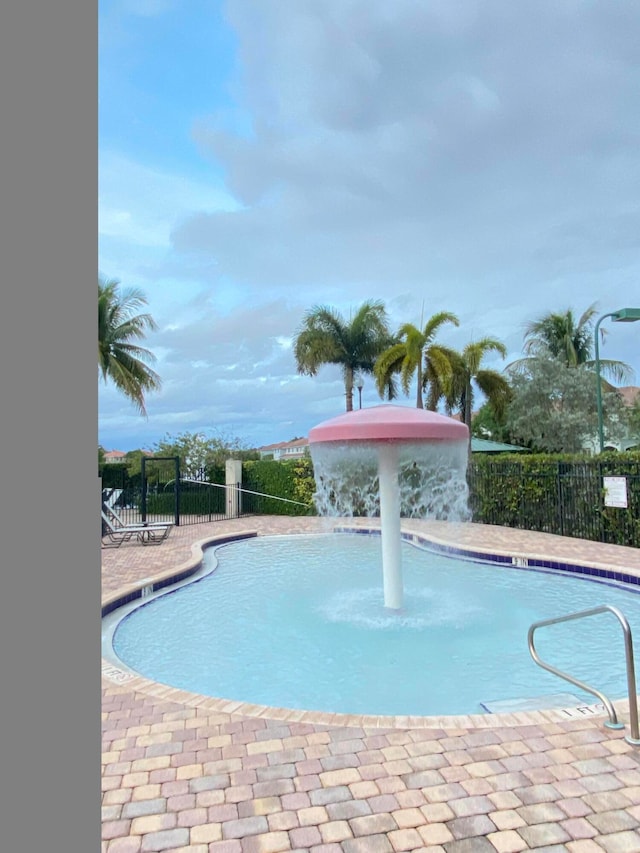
<point x="415" y="353"/>
<point x="487" y="425"/>
<point x="458" y="393"/>
<point x="121" y="360"/>
<point x="133" y="458"/>
<point x="561" y="337"/>
<point x="554" y="408"/>
<point x="325" y="337"/>
<point x="197" y="451"/>
<point x="633" y="421"/>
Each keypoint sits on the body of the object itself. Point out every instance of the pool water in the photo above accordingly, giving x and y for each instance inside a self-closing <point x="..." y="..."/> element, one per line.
<point x="299" y="622"/>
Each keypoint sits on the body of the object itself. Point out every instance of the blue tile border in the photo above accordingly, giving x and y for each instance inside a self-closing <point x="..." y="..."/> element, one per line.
<point x="513" y="561"/>
<point x="419" y="540"/>
<point x="169" y="580"/>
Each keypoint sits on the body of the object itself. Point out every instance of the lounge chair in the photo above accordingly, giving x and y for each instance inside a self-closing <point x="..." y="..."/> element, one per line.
<point x="118" y="521"/>
<point x="146" y="534"/>
<point x="111" y="497"/>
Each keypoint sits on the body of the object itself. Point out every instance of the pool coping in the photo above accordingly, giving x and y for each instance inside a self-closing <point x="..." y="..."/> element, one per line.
<point x="186" y="569"/>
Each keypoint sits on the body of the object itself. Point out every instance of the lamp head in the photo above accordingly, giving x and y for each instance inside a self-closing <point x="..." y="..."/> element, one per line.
<point x="626" y="315"/>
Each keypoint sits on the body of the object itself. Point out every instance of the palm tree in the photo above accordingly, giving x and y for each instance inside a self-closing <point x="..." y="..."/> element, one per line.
<point x="120" y="360"/>
<point x="414" y="353"/>
<point x="325" y="337"/>
<point x="458" y="393"/>
<point x="560" y="336"/>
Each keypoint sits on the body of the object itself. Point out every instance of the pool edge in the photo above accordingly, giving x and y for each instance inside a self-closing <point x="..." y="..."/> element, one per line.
<point x="115" y="676"/>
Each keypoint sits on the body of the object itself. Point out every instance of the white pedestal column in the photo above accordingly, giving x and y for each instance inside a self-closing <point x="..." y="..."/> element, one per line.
<point x="390" y="525"/>
<point x="233" y="481"/>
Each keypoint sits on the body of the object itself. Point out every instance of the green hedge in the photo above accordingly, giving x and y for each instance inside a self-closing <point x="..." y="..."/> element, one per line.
<point x="557" y="493"/>
<point x="115" y="475"/>
<point x="288" y="479"/>
<point x="199" y="499"/>
<point x="291" y="479"/>
<point x="205" y="502"/>
<point x="561" y="494"/>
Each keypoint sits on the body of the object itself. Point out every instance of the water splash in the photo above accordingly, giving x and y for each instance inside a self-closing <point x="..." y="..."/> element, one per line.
<point x="424" y="609"/>
<point x="431" y="479"/>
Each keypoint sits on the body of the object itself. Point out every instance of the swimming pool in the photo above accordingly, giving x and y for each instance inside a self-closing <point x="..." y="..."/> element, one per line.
<point x="298" y="622"/>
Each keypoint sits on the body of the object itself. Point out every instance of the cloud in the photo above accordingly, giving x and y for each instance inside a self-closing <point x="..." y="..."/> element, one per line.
<point x="141" y="204"/>
<point x="476" y="157"/>
<point x="448" y="141"/>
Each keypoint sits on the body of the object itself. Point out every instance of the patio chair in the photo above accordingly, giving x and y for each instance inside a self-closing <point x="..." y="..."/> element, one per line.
<point x="145" y="534"/>
<point x="118" y="520"/>
<point x="110" y="497"/>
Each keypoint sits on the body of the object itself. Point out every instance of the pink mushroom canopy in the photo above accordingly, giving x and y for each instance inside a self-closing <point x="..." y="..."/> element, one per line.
<point x="389" y="423"/>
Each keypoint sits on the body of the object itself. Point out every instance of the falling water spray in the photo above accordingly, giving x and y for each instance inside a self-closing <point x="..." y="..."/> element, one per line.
<point x="392" y="462"/>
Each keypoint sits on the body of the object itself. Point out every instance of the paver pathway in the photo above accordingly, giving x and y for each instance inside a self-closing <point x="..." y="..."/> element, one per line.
<point x="181" y="774"/>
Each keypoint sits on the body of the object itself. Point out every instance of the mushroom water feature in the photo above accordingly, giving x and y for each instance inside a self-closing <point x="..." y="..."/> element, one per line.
<point x="391" y="461"/>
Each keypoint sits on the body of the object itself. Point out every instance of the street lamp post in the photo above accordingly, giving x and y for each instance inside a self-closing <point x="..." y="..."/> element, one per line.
<point x="360" y="386"/>
<point x="624" y="315"/>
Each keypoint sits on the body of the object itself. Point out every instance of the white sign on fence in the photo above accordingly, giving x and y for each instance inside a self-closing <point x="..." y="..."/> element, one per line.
<point x="615" y="491"/>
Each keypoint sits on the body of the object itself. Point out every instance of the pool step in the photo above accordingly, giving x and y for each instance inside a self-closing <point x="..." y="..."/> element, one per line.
<point x="531" y="703"/>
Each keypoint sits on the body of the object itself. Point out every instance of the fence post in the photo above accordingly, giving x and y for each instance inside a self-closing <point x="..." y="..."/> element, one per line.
<point x="233" y="481"/>
<point x="177" y="464"/>
<point x="559" y="498"/>
<point x="143" y="497"/>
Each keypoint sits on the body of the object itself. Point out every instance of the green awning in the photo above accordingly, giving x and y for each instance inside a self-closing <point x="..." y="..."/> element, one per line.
<point x="482" y="445"/>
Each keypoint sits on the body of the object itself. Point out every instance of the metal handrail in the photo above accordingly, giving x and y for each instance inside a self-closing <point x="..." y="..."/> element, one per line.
<point x="613" y="723"/>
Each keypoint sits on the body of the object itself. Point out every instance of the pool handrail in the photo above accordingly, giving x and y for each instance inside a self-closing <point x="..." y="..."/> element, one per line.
<point x="634" y="737"/>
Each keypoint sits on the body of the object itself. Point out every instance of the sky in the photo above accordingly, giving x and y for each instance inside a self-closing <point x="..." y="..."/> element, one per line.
<point x="258" y="158"/>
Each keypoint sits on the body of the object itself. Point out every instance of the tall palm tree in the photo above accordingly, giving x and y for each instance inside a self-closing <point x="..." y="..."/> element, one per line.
<point x="468" y="375"/>
<point x="415" y="353"/>
<point x="325" y="337"/>
<point x="571" y="341"/>
<point x="119" y="359"/>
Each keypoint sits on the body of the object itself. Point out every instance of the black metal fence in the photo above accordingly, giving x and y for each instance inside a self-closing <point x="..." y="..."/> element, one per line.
<point x="158" y="492"/>
<point x="122" y="492"/>
<point x="568" y="499"/>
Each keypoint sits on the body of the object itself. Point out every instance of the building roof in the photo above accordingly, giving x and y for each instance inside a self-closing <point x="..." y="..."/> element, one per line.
<point x="629" y="394"/>
<point x="282" y="445"/>
<point x="478" y="445"/>
<point x="114" y="454"/>
<point x="120" y="454"/>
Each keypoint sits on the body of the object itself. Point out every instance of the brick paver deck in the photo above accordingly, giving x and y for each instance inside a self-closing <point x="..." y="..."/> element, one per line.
<point x="188" y="773"/>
